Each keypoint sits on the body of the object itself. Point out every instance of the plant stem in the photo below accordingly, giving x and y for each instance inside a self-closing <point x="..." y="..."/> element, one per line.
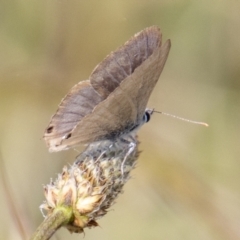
<point x="59" y="217"/>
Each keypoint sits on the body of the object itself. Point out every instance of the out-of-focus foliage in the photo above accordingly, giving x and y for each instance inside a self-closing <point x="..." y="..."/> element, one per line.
<point x="187" y="183"/>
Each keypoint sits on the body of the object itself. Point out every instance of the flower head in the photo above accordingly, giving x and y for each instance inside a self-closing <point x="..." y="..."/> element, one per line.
<point x="90" y="186"/>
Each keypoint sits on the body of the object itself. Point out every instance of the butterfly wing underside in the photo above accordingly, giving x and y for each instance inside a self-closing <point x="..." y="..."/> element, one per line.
<point x="73" y="107"/>
<point x="120" y="64"/>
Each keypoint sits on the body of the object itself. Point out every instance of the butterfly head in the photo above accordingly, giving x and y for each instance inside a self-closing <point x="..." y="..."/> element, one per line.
<point x="147" y="115"/>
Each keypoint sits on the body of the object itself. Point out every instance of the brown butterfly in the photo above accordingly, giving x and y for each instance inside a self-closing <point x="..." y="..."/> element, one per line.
<point x="112" y="103"/>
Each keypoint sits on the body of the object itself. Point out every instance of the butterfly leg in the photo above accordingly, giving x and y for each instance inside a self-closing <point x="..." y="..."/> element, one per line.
<point x="131" y="142"/>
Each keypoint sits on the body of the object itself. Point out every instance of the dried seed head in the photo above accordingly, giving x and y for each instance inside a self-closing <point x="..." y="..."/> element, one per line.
<point x="90" y="186"/>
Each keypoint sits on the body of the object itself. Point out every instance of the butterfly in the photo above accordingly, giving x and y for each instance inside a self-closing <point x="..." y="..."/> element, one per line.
<point x="112" y="103"/>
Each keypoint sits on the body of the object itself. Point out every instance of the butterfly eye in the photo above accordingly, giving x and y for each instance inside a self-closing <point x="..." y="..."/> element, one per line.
<point x="146" y="116"/>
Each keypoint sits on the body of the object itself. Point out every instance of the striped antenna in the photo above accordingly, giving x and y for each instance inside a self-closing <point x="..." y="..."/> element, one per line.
<point x="183" y="119"/>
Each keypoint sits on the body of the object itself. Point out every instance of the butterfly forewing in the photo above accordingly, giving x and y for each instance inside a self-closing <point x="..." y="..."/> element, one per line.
<point x="150" y="72"/>
<point x="122" y="63"/>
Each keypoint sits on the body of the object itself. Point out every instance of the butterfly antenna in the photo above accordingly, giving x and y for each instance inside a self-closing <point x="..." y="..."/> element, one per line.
<point x="183" y="119"/>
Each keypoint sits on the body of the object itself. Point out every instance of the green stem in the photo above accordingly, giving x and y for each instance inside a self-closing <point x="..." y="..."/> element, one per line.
<point x="59" y="217"/>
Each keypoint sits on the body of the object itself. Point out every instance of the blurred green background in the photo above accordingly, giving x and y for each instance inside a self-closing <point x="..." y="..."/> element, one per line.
<point x="187" y="182"/>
